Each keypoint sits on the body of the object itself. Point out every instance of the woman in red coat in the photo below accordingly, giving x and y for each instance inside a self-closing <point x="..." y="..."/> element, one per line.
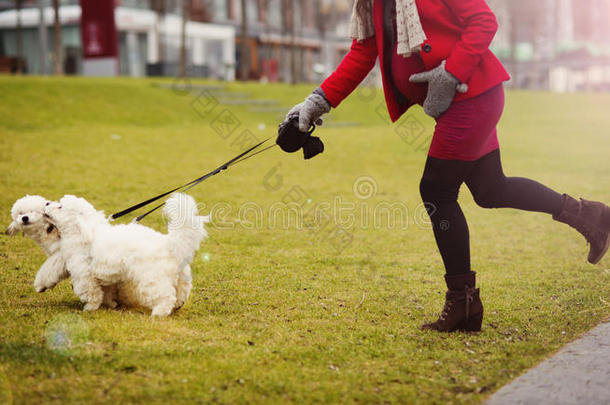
<point x="436" y="53"/>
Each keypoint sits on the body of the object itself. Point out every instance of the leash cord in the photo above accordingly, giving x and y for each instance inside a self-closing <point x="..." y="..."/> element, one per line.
<point x="256" y="153"/>
<point x="239" y="158"/>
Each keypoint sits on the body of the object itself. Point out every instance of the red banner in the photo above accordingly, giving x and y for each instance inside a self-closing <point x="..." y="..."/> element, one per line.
<point x="98" y="29"/>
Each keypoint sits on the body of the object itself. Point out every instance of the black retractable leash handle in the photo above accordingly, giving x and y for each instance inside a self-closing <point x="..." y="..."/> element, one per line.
<point x="290" y="139"/>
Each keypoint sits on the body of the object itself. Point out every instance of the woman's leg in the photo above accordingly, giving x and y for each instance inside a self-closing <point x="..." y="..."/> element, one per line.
<point x="439" y="188"/>
<point x="492" y="189"/>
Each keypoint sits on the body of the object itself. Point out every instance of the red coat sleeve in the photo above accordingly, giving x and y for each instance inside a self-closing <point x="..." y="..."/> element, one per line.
<point x="480" y="26"/>
<point x="356" y="65"/>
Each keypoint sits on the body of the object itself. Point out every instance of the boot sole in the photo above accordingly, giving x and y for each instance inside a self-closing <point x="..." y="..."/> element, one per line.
<point x="600" y="256"/>
<point x="472" y="325"/>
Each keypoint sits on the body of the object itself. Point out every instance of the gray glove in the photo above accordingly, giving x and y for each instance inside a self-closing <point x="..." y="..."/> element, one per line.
<point x="442" y="87"/>
<point x="310" y="110"/>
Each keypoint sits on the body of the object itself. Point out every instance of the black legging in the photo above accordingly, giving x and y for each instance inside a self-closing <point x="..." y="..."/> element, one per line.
<point x="490" y="188"/>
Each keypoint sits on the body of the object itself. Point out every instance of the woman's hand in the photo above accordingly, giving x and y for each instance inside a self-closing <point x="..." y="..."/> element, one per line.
<point x="310" y="110"/>
<point x="442" y="87"/>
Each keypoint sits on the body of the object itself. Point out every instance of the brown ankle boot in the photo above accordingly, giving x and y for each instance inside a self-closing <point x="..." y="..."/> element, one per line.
<point x="463" y="307"/>
<point x="590" y="218"/>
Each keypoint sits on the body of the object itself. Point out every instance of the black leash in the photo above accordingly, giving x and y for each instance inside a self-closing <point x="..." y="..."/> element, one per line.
<point x="237" y="159"/>
<point x="254" y="154"/>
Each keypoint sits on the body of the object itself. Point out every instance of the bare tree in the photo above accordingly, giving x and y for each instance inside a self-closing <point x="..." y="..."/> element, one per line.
<point x="322" y="17"/>
<point x="19" y="38"/>
<point x="158" y="6"/>
<point x="244" y="59"/>
<point x="293" y="47"/>
<point x="326" y="17"/>
<point x="42" y="32"/>
<point x="288" y="28"/>
<point x="57" y="51"/>
<point x="185" y="17"/>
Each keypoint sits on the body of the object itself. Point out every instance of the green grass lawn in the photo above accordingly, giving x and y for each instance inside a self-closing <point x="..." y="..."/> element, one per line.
<point x="280" y="314"/>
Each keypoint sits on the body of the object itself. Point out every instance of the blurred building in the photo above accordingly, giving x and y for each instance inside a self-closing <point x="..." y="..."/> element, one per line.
<point x="557" y="45"/>
<point x="149" y="43"/>
<point x="287" y="40"/>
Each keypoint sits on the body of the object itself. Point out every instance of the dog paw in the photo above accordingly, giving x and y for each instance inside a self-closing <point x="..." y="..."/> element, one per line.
<point x="42" y="288"/>
<point x="91" y="307"/>
<point x="160" y="312"/>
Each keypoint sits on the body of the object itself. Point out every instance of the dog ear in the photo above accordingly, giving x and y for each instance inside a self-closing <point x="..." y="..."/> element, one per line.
<point x="12" y="229"/>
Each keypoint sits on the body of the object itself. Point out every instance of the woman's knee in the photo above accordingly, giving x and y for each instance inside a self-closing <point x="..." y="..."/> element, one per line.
<point x="434" y="192"/>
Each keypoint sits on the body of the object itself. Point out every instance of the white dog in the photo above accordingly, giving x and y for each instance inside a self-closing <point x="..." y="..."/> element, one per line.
<point x="155" y="265"/>
<point x="27" y="214"/>
<point x="28" y="217"/>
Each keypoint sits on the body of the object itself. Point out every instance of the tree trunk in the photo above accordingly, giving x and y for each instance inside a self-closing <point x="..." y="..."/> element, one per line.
<point x="57" y="52"/>
<point x="244" y="62"/>
<point x="42" y="31"/>
<point x="185" y="14"/>
<point x="321" y="19"/>
<point x="19" y="38"/>
<point x="159" y="8"/>
<point x="288" y="29"/>
<point x="293" y="48"/>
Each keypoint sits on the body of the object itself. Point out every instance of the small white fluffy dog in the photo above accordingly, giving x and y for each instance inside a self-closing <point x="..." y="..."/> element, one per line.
<point x="28" y="217"/>
<point x="155" y="265"/>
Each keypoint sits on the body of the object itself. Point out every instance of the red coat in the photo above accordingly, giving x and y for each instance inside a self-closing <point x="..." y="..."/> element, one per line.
<point x="459" y="31"/>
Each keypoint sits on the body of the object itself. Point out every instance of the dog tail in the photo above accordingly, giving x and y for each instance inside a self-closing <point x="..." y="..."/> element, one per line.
<point x="185" y="228"/>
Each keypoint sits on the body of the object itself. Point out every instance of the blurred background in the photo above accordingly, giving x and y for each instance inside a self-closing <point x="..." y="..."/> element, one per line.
<point x="556" y="45"/>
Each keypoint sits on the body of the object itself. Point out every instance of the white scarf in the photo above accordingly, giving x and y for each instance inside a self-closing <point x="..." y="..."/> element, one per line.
<point x="410" y="34"/>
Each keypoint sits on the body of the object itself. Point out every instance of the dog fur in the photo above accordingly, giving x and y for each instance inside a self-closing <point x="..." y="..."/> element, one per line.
<point x="28" y="218"/>
<point x="154" y="265"/>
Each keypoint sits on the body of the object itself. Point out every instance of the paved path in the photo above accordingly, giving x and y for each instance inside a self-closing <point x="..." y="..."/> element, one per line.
<point x="579" y="374"/>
